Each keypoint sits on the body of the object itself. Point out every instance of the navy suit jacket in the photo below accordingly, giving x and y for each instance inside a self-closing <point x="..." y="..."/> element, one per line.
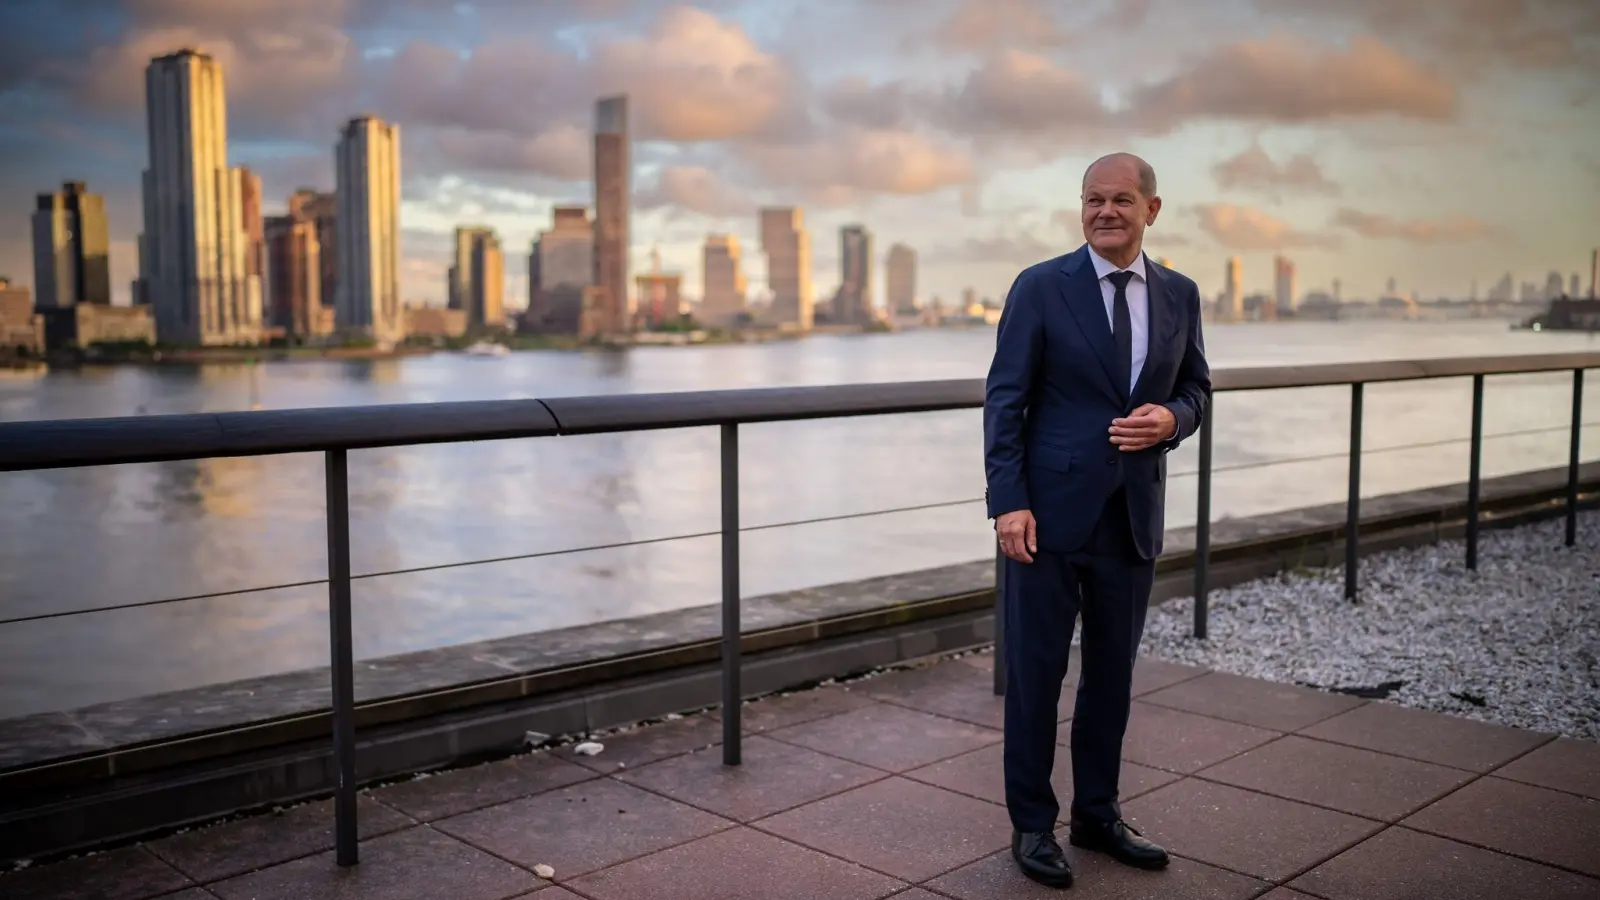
<point x="1050" y="398"/>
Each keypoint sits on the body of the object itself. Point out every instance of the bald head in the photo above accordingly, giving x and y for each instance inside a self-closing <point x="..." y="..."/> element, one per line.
<point x="1119" y="203"/>
<point x="1143" y="173"/>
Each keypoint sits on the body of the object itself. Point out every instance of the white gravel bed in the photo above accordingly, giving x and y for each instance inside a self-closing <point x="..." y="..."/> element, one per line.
<point x="1515" y="643"/>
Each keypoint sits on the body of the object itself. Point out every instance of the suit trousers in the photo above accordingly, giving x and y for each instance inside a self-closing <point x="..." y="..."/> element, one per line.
<point x="1107" y="584"/>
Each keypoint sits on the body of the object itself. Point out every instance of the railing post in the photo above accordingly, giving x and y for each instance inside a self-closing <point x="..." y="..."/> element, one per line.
<point x="731" y="693"/>
<point x="1572" y="459"/>
<point x="340" y="643"/>
<point x="1202" y="527"/>
<point x="1352" y="522"/>
<point x="1473" y="469"/>
<point x="999" y="623"/>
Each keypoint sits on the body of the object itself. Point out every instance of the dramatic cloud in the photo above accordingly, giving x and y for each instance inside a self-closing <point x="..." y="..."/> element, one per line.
<point x="1011" y="249"/>
<point x="1466" y="35"/>
<point x="862" y="160"/>
<point x="519" y="105"/>
<point x="697" y="78"/>
<point x="1015" y="92"/>
<point x="1253" y="169"/>
<point x="980" y="25"/>
<point x="1286" y="79"/>
<point x="859" y="101"/>
<point x="1417" y="231"/>
<point x="427" y="84"/>
<point x="1016" y="100"/>
<point x="289" y="67"/>
<point x="694" y="189"/>
<point x="563" y="152"/>
<point x="1245" y="229"/>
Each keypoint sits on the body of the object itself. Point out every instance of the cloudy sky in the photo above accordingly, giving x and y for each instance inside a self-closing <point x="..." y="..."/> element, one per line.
<point x="1435" y="141"/>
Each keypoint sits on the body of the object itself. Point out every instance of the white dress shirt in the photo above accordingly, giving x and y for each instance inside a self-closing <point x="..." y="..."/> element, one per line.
<point x="1138" y="293"/>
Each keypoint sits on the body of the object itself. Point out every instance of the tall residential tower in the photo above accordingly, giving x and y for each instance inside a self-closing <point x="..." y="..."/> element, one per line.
<point x="477" y="279"/>
<point x="900" y="279"/>
<point x="367" y="179"/>
<point x="725" y="290"/>
<point x="787" y="245"/>
<point x="194" y="251"/>
<point x="852" y="305"/>
<point x="612" y="189"/>
<point x="71" y="249"/>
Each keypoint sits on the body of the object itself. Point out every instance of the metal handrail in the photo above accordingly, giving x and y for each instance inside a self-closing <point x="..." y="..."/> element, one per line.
<point x="68" y="443"/>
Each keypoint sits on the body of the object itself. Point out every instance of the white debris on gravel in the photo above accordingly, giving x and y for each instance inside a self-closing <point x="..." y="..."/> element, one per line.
<point x="1514" y="643"/>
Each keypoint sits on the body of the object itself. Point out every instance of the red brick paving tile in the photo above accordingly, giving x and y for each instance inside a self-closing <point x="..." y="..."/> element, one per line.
<point x="463" y="790"/>
<point x="582" y="827"/>
<point x="1428" y="736"/>
<point x="781" y="711"/>
<point x="907" y="829"/>
<point x="954" y="691"/>
<point x="1244" y="831"/>
<point x="772" y="776"/>
<point x="1252" y="701"/>
<point x="981" y="774"/>
<point x="1400" y="864"/>
<point x="1098" y="876"/>
<point x="1563" y="764"/>
<point x="1151" y="674"/>
<point x="889" y="737"/>
<point x="1349" y="779"/>
<point x="648" y="743"/>
<point x="1520" y="819"/>
<point x="243" y="845"/>
<point x="1184" y="742"/>
<point x="916" y="894"/>
<point x="419" y="864"/>
<point x="735" y="865"/>
<point x="130" y="873"/>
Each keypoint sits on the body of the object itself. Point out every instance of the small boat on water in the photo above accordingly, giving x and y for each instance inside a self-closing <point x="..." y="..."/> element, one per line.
<point x="486" y="348"/>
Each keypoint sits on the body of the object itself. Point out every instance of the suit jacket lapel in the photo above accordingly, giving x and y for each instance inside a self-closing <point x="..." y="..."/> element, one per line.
<point x="1088" y="309"/>
<point x="1159" y="322"/>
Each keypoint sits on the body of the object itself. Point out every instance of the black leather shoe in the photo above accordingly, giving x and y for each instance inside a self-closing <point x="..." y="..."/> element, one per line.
<point x="1041" y="858"/>
<point x="1119" y="840"/>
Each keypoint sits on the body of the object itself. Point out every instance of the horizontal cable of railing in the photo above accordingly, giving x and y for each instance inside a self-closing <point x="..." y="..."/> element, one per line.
<point x="793" y="523"/>
<point x="65" y="443"/>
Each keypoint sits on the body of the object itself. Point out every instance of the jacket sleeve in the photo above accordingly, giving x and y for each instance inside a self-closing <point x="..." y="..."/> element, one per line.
<point x="1191" y="395"/>
<point x="1007" y="393"/>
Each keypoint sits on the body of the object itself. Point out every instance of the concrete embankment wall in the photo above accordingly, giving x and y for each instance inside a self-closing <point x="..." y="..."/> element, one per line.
<point x="118" y="771"/>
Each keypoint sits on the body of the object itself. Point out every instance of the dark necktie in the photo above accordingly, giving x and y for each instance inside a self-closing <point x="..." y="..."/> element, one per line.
<point x="1122" y="329"/>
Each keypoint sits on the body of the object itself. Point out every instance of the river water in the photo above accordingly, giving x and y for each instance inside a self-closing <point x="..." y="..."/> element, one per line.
<point x="93" y="537"/>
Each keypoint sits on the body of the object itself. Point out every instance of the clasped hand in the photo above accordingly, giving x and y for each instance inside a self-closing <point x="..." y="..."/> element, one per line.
<point x="1142" y="429"/>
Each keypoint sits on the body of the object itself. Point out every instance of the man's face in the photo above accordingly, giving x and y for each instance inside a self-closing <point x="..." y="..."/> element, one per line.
<point x="1115" y="213"/>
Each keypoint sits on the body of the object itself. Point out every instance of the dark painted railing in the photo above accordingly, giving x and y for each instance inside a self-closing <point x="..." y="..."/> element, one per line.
<point x="67" y="443"/>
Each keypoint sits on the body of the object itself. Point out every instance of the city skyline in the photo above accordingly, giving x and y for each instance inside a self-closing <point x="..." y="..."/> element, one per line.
<point x="922" y="128"/>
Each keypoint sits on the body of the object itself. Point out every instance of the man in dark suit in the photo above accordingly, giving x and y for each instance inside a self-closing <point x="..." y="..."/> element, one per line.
<point x="1099" y="371"/>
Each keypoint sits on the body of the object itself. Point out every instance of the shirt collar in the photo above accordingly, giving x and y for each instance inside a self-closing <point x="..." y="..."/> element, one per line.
<point x="1104" y="267"/>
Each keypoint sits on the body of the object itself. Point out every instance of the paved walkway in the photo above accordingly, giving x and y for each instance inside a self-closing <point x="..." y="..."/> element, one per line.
<point x="892" y="787"/>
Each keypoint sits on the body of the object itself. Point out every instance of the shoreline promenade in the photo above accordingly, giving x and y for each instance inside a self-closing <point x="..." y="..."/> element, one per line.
<point x="889" y="786"/>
